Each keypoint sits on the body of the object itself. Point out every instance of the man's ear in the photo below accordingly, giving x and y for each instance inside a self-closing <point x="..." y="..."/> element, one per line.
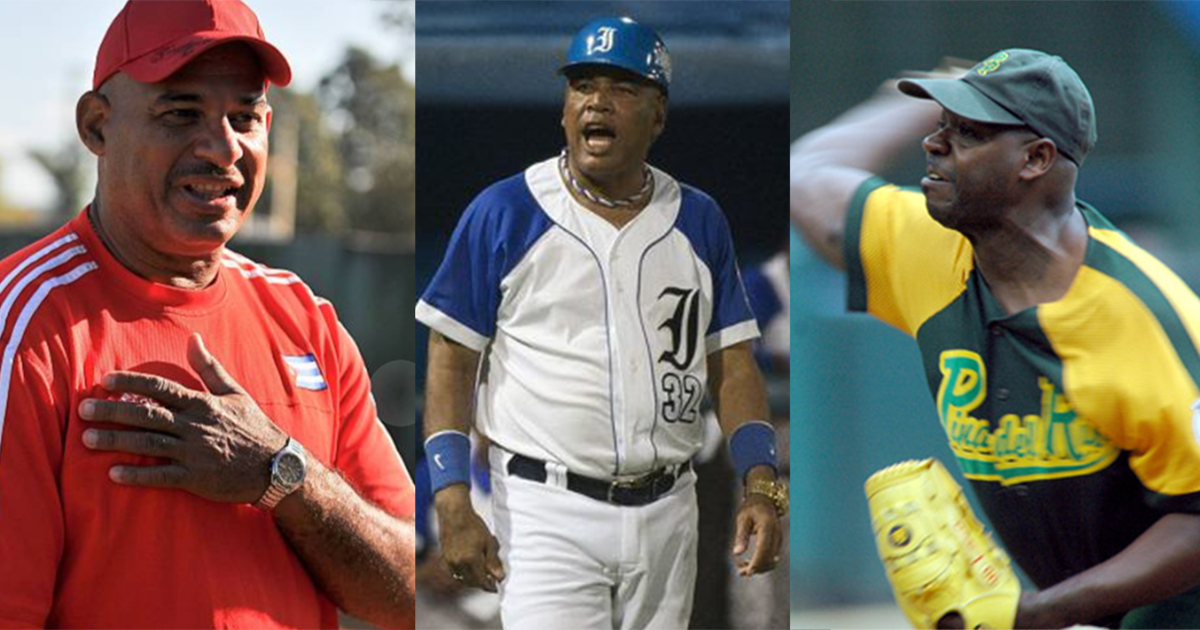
<point x="92" y="113"/>
<point x="566" y="97"/>
<point x="1040" y="156"/>
<point x="660" y="116"/>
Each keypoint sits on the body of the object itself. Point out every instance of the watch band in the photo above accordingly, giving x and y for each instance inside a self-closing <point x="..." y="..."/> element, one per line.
<point x="283" y="485"/>
<point x="775" y="490"/>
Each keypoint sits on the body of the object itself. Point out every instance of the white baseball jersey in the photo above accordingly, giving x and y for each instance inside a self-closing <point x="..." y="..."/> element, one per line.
<point x="594" y="339"/>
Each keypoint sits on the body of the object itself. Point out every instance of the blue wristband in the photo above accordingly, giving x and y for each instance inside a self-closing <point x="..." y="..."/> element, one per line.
<point x="752" y="444"/>
<point x="448" y="454"/>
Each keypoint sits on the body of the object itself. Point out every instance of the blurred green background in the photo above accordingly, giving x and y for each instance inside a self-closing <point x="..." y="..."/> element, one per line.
<point x="859" y="400"/>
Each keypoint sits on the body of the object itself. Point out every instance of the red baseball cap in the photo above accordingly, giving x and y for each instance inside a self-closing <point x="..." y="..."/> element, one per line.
<point x="152" y="39"/>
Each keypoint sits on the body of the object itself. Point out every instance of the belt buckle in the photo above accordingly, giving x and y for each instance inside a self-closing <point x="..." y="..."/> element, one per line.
<point x="649" y="480"/>
<point x="614" y="485"/>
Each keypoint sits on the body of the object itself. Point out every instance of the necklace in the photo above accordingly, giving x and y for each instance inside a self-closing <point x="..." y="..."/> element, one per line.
<point x="647" y="187"/>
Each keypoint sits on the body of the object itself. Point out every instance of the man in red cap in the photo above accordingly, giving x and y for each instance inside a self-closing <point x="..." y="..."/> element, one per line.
<point x="187" y="438"/>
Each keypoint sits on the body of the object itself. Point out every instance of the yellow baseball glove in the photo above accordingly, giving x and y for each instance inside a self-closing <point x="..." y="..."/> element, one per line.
<point x="936" y="553"/>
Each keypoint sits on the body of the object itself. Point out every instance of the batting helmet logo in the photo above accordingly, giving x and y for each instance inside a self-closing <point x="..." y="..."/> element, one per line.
<point x="602" y="41"/>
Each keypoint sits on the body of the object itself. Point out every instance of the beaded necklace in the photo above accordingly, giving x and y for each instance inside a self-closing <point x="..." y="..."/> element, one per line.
<point x="647" y="187"/>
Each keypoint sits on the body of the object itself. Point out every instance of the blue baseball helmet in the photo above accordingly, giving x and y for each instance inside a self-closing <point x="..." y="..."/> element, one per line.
<point x="623" y="43"/>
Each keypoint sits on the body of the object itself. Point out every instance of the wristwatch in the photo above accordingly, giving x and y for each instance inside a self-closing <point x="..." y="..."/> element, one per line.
<point x="776" y="491"/>
<point x="288" y="468"/>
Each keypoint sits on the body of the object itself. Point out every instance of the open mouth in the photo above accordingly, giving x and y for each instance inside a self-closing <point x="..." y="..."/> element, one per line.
<point x="597" y="136"/>
<point x="933" y="177"/>
<point x="212" y="193"/>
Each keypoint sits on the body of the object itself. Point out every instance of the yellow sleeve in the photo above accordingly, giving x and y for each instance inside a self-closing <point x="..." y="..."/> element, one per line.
<point x="902" y="266"/>
<point x="1131" y="366"/>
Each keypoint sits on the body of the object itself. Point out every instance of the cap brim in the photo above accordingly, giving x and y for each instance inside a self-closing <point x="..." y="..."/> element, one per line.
<point x="161" y="64"/>
<point x="961" y="98"/>
<point x="572" y="68"/>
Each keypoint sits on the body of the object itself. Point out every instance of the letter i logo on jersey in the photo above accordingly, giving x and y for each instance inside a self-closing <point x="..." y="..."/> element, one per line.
<point x="602" y="41"/>
<point x="684" y="326"/>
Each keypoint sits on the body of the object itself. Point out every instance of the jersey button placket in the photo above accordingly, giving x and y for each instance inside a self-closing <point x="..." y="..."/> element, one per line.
<point x="618" y="278"/>
<point x="622" y="346"/>
<point x="633" y="391"/>
<point x="613" y="345"/>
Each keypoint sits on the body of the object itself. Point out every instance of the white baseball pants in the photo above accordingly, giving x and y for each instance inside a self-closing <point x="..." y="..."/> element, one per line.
<point x="574" y="562"/>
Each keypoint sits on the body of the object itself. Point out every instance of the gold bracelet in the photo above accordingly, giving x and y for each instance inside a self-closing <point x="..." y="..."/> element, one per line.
<point x="775" y="490"/>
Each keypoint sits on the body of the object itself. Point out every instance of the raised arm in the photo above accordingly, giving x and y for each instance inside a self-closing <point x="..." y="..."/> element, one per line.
<point x="829" y="163"/>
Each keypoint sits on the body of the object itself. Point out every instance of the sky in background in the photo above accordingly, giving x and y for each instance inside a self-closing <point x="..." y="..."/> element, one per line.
<point x="48" y="52"/>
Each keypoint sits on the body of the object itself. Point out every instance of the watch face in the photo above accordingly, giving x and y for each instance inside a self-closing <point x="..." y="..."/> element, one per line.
<point x="290" y="469"/>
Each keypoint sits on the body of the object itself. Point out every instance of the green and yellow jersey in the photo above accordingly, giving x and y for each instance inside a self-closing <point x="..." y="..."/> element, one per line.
<point x="1076" y="420"/>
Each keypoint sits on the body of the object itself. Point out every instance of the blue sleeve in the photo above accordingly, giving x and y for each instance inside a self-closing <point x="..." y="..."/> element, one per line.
<point x="493" y="235"/>
<point x="763" y="299"/>
<point x="704" y="224"/>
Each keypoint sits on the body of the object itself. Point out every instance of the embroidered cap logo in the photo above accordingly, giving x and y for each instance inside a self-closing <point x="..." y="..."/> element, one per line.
<point x="991" y="65"/>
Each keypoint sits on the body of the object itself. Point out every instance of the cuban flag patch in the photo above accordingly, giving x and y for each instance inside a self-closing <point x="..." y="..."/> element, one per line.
<point x="307" y="373"/>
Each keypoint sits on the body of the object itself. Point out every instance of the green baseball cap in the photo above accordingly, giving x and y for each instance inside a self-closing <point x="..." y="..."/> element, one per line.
<point x="1020" y="87"/>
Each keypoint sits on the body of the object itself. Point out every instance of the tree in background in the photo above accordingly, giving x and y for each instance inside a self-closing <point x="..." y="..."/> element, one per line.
<point x="343" y="158"/>
<point x="11" y="214"/>
<point x="71" y="168"/>
<point x="373" y="108"/>
<point x="301" y="140"/>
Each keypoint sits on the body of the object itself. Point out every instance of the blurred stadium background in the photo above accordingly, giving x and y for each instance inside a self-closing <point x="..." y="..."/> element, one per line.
<point x="340" y="199"/>
<point x="859" y="400"/>
<point x="490" y="104"/>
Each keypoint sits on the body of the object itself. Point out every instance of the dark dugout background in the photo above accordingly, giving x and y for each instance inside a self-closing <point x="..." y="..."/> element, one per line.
<point x="490" y="105"/>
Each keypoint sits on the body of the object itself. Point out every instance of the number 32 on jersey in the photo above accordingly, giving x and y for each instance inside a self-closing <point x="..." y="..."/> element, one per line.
<point x="681" y="390"/>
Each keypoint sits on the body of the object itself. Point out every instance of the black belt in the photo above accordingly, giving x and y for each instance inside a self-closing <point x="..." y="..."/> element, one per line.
<point x="640" y="491"/>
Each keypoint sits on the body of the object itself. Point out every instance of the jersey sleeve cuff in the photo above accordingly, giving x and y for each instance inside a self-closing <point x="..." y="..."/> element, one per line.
<point x="856" y="279"/>
<point x="730" y="335"/>
<point x="450" y="327"/>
